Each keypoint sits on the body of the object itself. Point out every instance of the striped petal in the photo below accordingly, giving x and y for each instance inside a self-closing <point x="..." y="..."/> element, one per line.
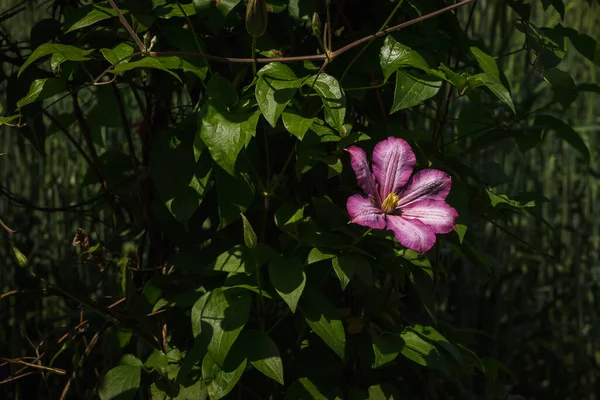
<point x="411" y="233"/>
<point x="393" y="162"/>
<point x="360" y="165"/>
<point x="436" y="214"/>
<point x="363" y="212"/>
<point x="427" y="184"/>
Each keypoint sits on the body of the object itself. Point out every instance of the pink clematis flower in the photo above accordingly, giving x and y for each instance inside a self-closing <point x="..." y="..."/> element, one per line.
<point x="412" y="206"/>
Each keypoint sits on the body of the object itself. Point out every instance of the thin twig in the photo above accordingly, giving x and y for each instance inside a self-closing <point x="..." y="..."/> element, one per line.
<point x="14" y="378"/>
<point x="36" y="366"/>
<point x="128" y="27"/>
<point x="87" y="352"/>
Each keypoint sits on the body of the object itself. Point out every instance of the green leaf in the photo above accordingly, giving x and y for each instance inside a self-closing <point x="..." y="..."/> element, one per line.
<point x="453" y="78"/>
<point x="502" y="199"/>
<point x="394" y="55"/>
<point x="42" y="89"/>
<point x="223" y="316"/>
<point x="235" y="194"/>
<point x="120" y="383"/>
<point x="563" y="86"/>
<point x="288" y="278"/>
<point x="296" y="124"/>
<point x="194" y="65"/>
<point x="83" y="16"/>
<point x="486" y="62"/>
<point x="317" y="255"/>
<point x="289" y="214"/>
<point x="460" y="230"/>
<point x="566" y="132"/>
<point x="277" y="84"/>
<point x="224" y="6"/>
<point x="157" y="361"/>
<point x="6" y="120"/>
<point x="225" y="133"/>
<point x="249" y="236"/>
<point x="263" y="353"/>
<point x="585" y="44"/>
<point x="334" y="99"/>
<point x="146" y="62"/>
<point x="412" y="89"/>
<point x="386" y="348"/>
<point x="119" y="53"/>
<point x="385" y="391"/>
<point x="167" y="11"/>
<point x="70" y="53"/>
<point x="323" y="318"/>
<point x="232" y="260"/>
<point x="421" y="351"/>
<point x="434" y="336"/>
<point x="346" y="266"/>
<point x="495" y="86"/>
<point x="220" y="381"/>
<point x="222" y="91"/>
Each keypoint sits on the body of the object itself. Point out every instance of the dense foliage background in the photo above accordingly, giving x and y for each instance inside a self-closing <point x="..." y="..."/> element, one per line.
<point x="174" y="225"/>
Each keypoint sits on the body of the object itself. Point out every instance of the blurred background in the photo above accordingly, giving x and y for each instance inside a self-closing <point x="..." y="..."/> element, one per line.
<point x="535" y="304"/>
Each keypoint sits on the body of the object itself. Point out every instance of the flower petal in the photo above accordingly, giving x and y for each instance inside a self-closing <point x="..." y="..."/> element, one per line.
<point x="393" y="162"/>
<point x="427" y="184"/>
<point x="360" y="165"/>
<point x="411" y="233"/>
<point x="436" y="214"/>
<point x="363" y="212"/>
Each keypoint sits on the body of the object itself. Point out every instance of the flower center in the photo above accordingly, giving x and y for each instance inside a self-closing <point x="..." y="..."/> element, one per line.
<point x="389" y="204"/>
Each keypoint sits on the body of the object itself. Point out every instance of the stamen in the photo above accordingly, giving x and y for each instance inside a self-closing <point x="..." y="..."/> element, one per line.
<point x="389" y="204"/>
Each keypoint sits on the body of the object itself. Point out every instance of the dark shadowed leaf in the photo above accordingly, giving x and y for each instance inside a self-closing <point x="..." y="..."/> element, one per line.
<point x="566" y="132"/>
<point x="220" y="381"/>
<point x="236" y="193"/>
<point x="563" y="86"/>
<point x="277" y="84"/>
<point x="225" y="133"/>
<point x="334" y="99"/>
<point x="288" y="278"/>
<point x="223" y="316"/>
<point x="323" y="319"/>
<point x="263" y="354"/>
<point x="386" y="348"/>
<point x="42" y="89"/>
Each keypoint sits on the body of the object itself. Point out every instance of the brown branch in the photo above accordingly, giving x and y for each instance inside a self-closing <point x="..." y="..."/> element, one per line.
<point x="14" y="378"/>
<point x="264" y="60"/>
<point x="37" y="366"/>
<point x="127" y="26"/>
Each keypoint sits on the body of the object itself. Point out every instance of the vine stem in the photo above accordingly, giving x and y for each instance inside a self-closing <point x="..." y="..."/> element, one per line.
<point x="127" y="27"/>
<point x="264" y="60"/>
<point x="253" y="56"/>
